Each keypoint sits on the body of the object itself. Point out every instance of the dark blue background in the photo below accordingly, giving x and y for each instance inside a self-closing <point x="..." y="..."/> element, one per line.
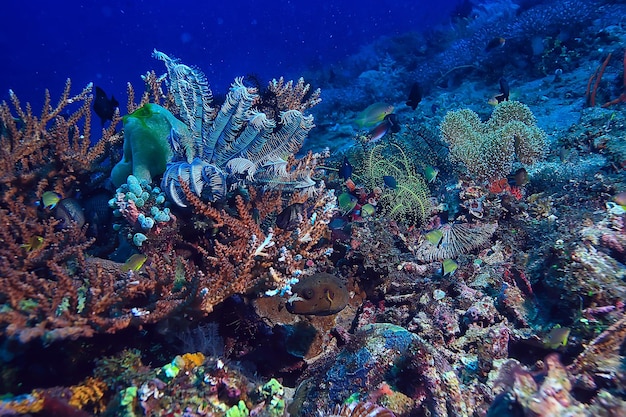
<point x="110" y="43"/>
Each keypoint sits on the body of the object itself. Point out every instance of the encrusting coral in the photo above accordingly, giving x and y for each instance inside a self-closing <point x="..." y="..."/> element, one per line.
<point x="488" y="149"/>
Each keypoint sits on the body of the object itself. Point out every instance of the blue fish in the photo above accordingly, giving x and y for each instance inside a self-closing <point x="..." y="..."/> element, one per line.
<point x="345" y="171"/>
<point x="390" y="182"/>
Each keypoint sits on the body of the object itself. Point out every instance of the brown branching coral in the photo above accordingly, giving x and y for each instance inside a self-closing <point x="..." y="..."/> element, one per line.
<point x="289" y="96"/>
<point x="49" y="287"/>
<point x="50" y="151"/>
<point x="246" y="255"/>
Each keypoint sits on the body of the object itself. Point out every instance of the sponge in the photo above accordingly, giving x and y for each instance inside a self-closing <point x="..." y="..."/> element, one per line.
<point x="147" y="148"/>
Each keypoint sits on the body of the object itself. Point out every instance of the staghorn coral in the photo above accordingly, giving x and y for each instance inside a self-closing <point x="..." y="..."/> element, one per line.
<point x="488" y="149"/>
<point x="246" y="255"/>
<point x="50" y="151"/>
<point x="49" y="287"/>
<point x="286" y="95"/>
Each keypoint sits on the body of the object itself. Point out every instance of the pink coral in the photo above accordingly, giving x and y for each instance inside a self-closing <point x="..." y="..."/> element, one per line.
<point x="611" y="241"/>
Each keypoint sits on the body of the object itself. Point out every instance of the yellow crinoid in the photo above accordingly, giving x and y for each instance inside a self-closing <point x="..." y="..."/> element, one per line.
<point x="404" y="195"/>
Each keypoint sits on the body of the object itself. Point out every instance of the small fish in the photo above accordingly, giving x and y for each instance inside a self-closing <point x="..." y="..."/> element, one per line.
<point x="346" y="202"/>
<point x="390" y="181"/>
<point x="430" y="173"/>
<point x="33" y="243"/>
<point x="368" y="210"/>
<point x="519" y="178"/>
<point x="434" y="108"/>
<point x="49" y="200"/>
<point x="378" y="132"/>
<point x="505" y="91"/>
<point x="449" y="266"/>
<point x="103" y="106"/>
<point x="564" y="154"/>
<point x="415" y="96"/>
<point x="620" y="198"/>
<point x="350" y="185"/>
<point x="373" y="115"/>
<point x="556" y="338"/>
<point x="337" y="223"/>
<point x="434" y="236"/>
<point x="495" y="43"/>
<point x="134" y="263"/>
<point x="290" y="217"/>
<point x="392" y="121"/>
<point x="345" y="171"/>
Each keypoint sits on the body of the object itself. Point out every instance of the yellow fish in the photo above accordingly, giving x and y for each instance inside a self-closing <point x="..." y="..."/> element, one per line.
<point x="434" y="236"/>
<point x="49" y="199"/>
<point x="373" y="114"/>
<point x="430" y="173"/>
<point x="557" y="337"/>
<point x="449" y="266"/>
<point x="134" y="263"/>
<point x="33" y="243"/>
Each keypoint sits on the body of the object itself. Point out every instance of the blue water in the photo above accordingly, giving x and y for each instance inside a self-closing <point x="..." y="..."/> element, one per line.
<point x="110" y="43"/>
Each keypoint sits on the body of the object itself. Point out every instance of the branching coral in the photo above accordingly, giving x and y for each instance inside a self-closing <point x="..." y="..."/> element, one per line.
<point x="50" y="151"/>
<point x="247" y="254"/>
<point x="49" y="287"/>
<point x="488" y="149"/>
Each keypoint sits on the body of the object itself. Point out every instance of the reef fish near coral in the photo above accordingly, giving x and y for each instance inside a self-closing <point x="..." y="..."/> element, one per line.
<point x="415" y="96"/>
<point x="103" y="106"/>
<point x="49" y="199"/>
<point x="345" y="171"/>
<point x="373" y="114"/>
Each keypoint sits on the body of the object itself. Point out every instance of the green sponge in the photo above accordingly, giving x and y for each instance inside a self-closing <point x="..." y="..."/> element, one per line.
<point x="146" y="146"/>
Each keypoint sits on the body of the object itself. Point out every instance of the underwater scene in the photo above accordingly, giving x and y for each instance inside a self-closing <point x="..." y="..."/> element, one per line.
<point x="291" y="209"/>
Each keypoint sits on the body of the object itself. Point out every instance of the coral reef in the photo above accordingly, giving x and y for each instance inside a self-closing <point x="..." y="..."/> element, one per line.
<point x="344" y="282"/>
<point x="53" y="289"/>
<point x="488" y="149"/>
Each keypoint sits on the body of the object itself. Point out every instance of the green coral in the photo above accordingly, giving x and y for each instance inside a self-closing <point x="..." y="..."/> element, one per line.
<point x="273" y="393"/>
<point x="409" y="199"/>
<point x="488" y="149"/>
<point x="239" y="410"/>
